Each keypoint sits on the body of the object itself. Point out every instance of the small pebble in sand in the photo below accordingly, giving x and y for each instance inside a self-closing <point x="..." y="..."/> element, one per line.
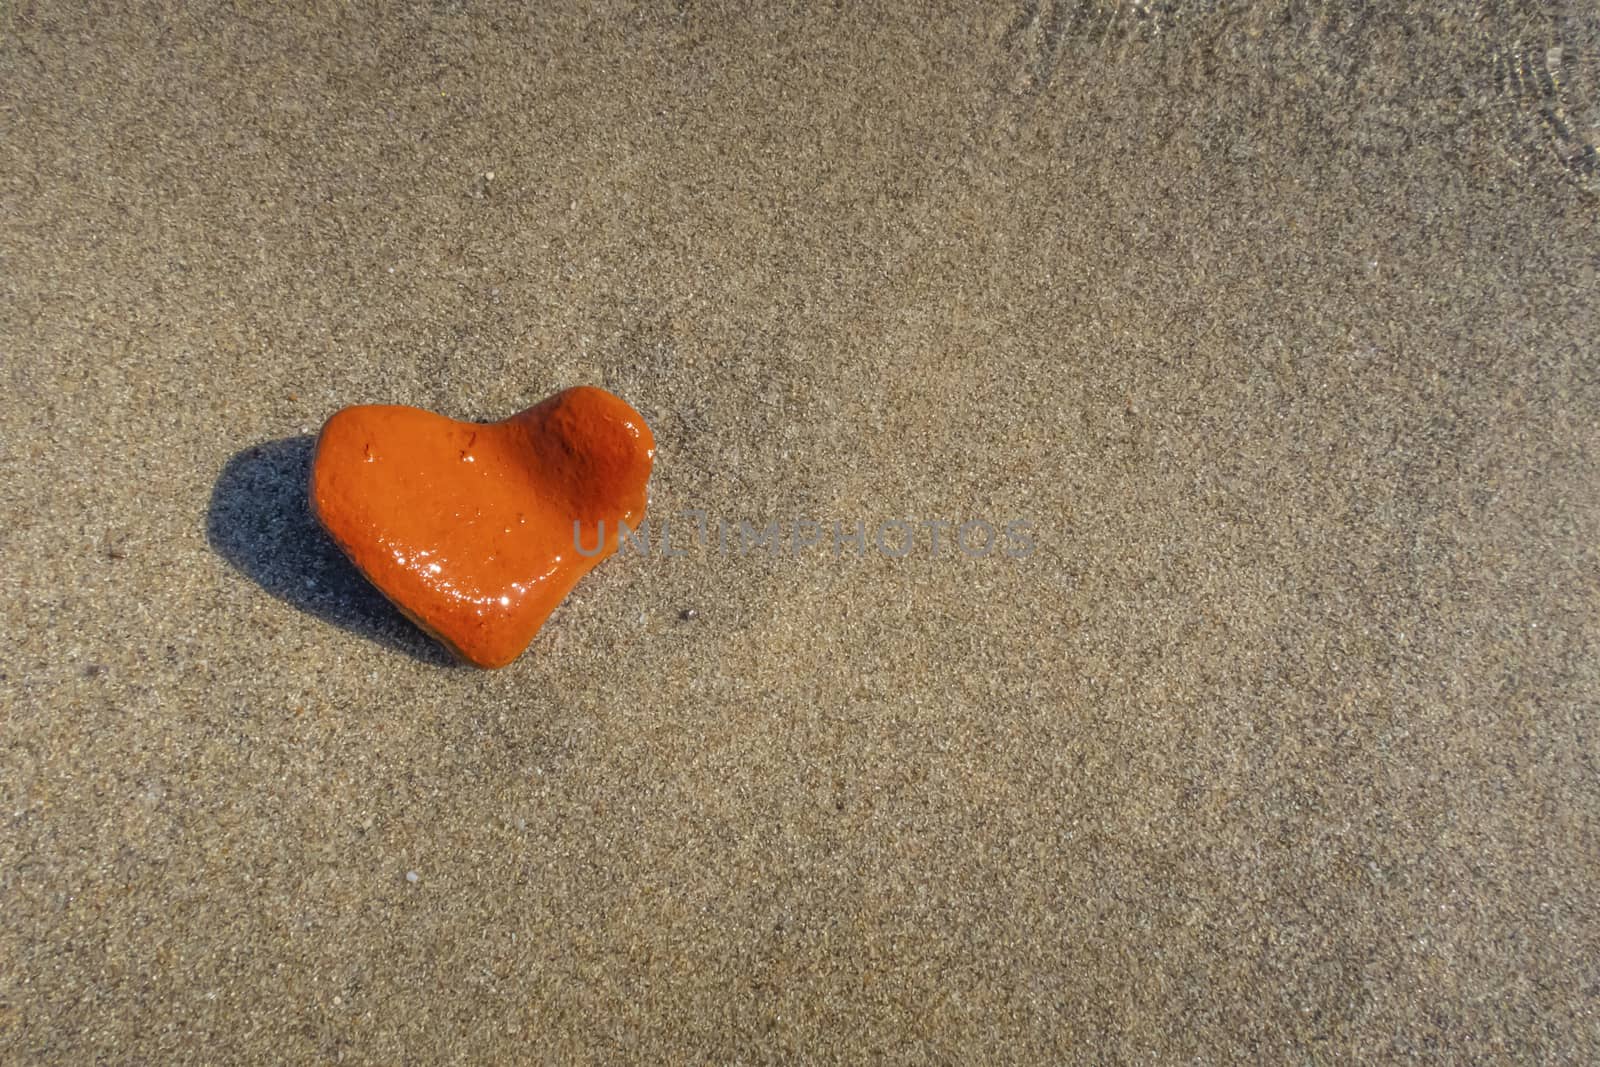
<point x="548" y="490"/>
<point x="412" y="876"/>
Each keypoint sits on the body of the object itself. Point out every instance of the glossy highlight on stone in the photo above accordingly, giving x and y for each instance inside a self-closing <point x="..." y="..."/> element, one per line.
<point x="469" y="528"/>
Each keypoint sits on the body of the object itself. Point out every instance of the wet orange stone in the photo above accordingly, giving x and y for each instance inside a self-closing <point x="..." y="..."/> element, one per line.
<point x="469" y="528"/>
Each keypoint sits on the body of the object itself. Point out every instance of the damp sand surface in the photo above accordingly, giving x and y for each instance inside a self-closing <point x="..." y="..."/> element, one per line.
<point x="1277" y="324"/>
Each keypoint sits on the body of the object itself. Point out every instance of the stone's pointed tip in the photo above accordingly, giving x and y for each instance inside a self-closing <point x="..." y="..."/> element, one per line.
<point x="388" y="484"/>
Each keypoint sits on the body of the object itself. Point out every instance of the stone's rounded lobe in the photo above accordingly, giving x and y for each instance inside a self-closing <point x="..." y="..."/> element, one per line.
<point x="468" y="527"/>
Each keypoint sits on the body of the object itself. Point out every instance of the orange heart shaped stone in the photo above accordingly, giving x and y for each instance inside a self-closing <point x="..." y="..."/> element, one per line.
<point x="477" y="531"/>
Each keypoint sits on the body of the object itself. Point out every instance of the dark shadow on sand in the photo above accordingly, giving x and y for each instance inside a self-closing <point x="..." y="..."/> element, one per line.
<point x="260" y="521"/>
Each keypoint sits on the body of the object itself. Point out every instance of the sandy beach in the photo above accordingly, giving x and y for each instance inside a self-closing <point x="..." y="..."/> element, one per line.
<point x="1273" y="325"/>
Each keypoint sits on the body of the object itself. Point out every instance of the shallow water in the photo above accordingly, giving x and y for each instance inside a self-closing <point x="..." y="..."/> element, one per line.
<point x="1540" y="63"/>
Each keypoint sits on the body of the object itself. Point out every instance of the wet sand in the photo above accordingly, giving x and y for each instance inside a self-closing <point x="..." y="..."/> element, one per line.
<point x="1278" y="324"/>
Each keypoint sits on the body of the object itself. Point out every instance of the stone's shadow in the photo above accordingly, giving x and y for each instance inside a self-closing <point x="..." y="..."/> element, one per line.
<point x="260" y="521"/>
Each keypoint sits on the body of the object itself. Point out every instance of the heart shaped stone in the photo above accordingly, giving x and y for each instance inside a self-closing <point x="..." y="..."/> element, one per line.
<point x="477" y="531"/>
